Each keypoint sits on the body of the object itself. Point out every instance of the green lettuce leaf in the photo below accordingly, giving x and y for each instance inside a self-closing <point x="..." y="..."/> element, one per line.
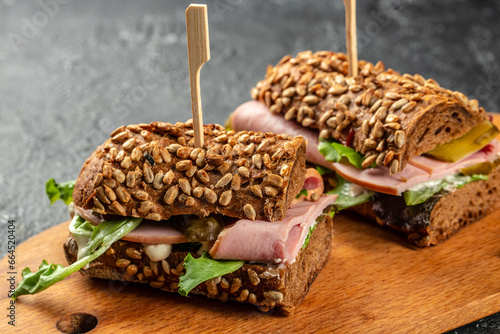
<point x="311" y="230"/>
<point x="422" y="195"/>
<point x="82" y="232"/>
<point x="202" y="269"/>
<point x="79" y="227"/>
<point x="302" y="192"/>
<point x="335" y="152"/>
<point x="475" y="177"/>
<point x="322" y="170"/>
<point x="101" y="232"/>
<point x="49" y="274"/>
<point x="62" y="191"/>
<point x="345" y="200"/>
<point x="422" y="192"/>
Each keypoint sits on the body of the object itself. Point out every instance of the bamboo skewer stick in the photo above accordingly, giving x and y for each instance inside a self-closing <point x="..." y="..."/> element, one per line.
<point x="198" y="54"/>
<point x="351" y="36"/>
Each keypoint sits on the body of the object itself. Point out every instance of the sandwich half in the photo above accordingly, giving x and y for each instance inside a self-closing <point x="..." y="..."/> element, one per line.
<point x="398" y="149"/>
<point x="221" y="221"/>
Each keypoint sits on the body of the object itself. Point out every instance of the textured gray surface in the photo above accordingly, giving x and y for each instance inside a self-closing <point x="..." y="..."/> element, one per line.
<point x="71" y="72"/>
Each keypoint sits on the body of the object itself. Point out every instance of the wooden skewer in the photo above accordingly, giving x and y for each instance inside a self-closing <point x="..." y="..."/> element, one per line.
<point x="198" y="54"/>
<point x="351" y="37"/>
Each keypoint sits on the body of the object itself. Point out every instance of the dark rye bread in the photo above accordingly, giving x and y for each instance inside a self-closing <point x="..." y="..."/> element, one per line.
<point x="154" y="171"/>
<point x="437" y="219"/>
<point x="267" y="286"/>
<point x="387" y="117"/>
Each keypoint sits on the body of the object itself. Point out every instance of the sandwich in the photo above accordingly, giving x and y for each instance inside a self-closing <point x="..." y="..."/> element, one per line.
<point x="398" y="149"/>
<point x="227" y="221"/>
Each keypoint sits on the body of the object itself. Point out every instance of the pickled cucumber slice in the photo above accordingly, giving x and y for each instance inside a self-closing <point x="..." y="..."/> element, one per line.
<point x="198" y="229"/>
<point x="483" y="168"/>
<point x="474" y="140"/>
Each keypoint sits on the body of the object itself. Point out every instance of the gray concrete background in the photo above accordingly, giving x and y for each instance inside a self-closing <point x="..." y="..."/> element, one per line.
<point x="72" y="71"/>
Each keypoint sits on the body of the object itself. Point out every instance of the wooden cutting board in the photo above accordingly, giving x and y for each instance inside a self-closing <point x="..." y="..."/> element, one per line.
<point x="374" y="282"/>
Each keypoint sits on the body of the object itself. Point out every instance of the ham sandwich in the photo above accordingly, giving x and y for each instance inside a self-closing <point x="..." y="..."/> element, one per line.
<point x="391" y="121"/>
<point x="234" y="202"/>
<point x="255" y="116"/>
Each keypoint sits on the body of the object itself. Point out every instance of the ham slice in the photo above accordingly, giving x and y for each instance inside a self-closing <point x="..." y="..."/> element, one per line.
<point x="255" y="116"/>
<point x="149" y="232"/>
<point x="313" y="184"/>
<point x="379" y="179"/>
<point x="270" y="242"/>
<point x="420" y="169"/>
<point x="88" y="215"/>
<point x="248" y="240"/>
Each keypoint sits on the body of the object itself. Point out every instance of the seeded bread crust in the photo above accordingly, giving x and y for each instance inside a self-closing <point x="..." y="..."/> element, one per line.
<point x="387" y="117"/>
<point x="451" y="213"/>
<point x="278" y="286"/>
<point x="154" y="171"/>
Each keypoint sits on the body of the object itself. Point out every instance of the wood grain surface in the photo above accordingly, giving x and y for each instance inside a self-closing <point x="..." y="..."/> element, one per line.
<point x="374" y="282"/>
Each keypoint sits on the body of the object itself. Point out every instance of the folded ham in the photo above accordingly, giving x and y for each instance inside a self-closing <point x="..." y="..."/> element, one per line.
<point x="255" y="116"/>
<point x="248" y="240"/>
<point x="270" y="242"/>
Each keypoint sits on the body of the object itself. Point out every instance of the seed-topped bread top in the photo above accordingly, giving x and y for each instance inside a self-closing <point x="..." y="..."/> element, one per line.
<point x="387" y="117"/>
<point x="154" y="171"/>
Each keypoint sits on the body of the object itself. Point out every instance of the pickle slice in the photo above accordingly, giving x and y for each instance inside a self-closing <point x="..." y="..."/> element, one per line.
<point x="198" y="229"/>
<point x="483" y="168"/>
<point x="474" y="140"/>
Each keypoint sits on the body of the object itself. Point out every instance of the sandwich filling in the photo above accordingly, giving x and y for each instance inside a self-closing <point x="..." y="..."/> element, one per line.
<point x="243" y="239"/>
<point x="223" y="244"/>
<point x="420" y="174"/>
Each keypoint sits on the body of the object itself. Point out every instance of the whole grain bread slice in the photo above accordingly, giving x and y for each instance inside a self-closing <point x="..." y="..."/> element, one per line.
<point x="437" y="219"/>
<point x="386" y="116"/>
<point x="266" y="285"/>
<point x="154" y="171"/>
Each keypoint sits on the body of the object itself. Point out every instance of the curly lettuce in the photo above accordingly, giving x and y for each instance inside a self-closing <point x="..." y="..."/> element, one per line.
<point x="203" y="269"/>
<point x="336" y="152"/>
<point x="62" y="191"/>
<point x="100" y="239"/>
<point x="422" y="192"/>
<point x="345" y="198"/>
